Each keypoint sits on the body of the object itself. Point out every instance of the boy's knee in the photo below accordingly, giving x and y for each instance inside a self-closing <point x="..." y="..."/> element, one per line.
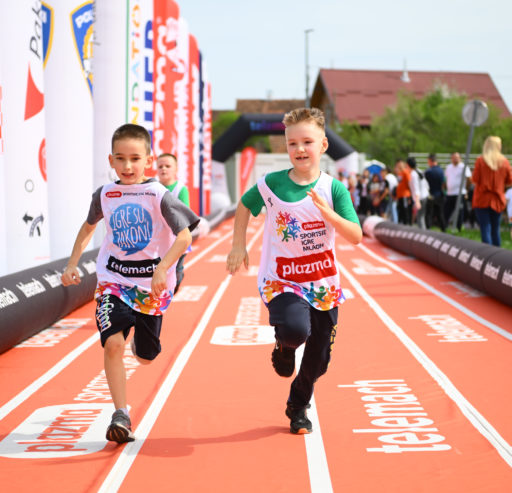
<point x="292" y="337"/>
<point x="114" y="345"/>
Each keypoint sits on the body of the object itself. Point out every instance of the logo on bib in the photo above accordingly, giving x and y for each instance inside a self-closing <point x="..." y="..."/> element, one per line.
<point x="307" y="268"/>
<point x="287" y="226"/>
<point x="132" y="228"/>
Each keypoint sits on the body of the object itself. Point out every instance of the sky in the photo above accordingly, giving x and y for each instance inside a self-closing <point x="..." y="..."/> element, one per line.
<point x="256" y="50"/>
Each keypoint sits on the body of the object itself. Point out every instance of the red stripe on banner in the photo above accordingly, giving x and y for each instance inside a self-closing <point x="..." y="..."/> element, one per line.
<point x="247" y="160"/>
<point x="35" y="100"/>
<point x="193" y="125"/>
<point x="166" y="72"/>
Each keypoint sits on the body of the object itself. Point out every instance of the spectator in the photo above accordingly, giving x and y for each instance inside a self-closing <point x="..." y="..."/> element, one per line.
<point x="491" y="174"/>
<point x="403" y="192"/>
<point x="379" y="192"/>
<point x="391" y="211"/>
<point x="364" y="193"/>
<point x="454" y="177"/>
<point x="435" y="202"/>
<point x="419" y="192"/>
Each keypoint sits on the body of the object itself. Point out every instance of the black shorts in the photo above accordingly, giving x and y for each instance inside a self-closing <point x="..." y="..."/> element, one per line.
<point x="113" y="316"/>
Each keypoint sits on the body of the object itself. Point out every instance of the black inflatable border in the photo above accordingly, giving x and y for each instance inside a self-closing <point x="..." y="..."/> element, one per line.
<point x="33" y="299"/>
<point x="481" y="266"/>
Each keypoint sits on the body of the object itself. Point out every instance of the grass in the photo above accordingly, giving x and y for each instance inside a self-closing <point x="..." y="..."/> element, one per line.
<point x="474" y="234"/>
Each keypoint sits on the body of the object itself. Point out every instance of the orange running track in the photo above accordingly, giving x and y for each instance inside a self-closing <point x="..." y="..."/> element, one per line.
<point x="416" y="398"/>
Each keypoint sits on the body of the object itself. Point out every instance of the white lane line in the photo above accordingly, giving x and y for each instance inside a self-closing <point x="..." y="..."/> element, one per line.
<point x="199" y="256"/>
<point x="43" y="379"/>
<point x="70" y="357"/>
<point x="319" y="475"/>
<point x="444" y="297"/>
<point x="125" y="460"/>
<point x="476" y="419"/>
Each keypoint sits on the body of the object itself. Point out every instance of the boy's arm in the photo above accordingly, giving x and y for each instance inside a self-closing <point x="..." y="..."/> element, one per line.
<point x="71" y="274"/>
<point x="238" y="253"/>
<point x="350" y="231"/>
<point x="178" y="248"/>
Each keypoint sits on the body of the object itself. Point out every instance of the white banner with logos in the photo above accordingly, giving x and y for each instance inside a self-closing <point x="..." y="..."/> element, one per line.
<point x="24" y="186"/>
<point x="68" y="33"/>
<point x="3" y="231"/>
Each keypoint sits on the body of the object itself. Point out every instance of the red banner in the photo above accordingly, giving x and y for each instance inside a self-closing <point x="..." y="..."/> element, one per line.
<point x="247" y="159"/>
<point x="193" y="125"/>
<point x="167" y="70"/>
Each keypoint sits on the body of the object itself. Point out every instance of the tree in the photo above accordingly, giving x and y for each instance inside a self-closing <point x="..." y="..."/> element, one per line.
<point x="431" y="124"/>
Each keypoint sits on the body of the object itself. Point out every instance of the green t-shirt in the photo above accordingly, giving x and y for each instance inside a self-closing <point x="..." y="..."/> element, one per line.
<point x="183" y="195"/>
<point x="288" y="191"/>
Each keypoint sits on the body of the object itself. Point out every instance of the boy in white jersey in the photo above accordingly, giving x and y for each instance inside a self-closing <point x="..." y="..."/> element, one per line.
<point x="167" y="168"/>
<point x="147" y="230"/>
<point x="298" y="277"/>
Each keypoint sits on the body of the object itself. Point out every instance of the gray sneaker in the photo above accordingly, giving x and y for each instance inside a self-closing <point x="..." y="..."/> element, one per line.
<point x="120" y="428"/>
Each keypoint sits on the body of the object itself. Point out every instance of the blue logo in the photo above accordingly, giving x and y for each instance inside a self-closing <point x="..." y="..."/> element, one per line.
<point x="47" y="20"/>
<point x="82" y="22"/>
<point x="132" y="228"/>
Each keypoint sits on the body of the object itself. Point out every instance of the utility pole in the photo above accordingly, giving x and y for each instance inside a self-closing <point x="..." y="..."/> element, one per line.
<point x="306" y="40"/>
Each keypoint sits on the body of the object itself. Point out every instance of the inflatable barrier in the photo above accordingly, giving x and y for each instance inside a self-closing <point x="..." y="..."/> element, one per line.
<point x="33" y="299"/>
<point x="484" y="267"/>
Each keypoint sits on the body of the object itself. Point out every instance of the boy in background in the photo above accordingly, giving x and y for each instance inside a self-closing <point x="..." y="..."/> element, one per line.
<point x="167" y="168"/>
<point x="147" y="230"/>
<point x="298" y="278"/>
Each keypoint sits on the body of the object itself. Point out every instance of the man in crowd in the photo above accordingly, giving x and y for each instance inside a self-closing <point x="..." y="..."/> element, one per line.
<point x="454" y="177"/>
<point x="435" y="203"/>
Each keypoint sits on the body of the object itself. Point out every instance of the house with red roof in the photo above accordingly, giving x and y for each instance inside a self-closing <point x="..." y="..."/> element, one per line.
<point x="360" y="95"/>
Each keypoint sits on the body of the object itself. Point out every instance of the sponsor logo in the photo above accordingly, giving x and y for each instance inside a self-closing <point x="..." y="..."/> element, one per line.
<point x="103" y="311"/>
<point x="47" y="19"/>
<point x="31" y="288"/>
<point x="507" y="278"/>
<point x="132" y="228"/>
<point x="54" y="280"/>
<point x="82" y="21"/>
<point x="42" y="159"/>
<point x="64" y="430"/>
<point x="307" y="268"/>
<point x="287" y="226"/>
<point x="7" y="297"/>
<point x="133" y="268"/>
<point x="402" y="424"/>
<point x="243" y="335"/>
<point x="491" y="271"/>
<point x="148" y="78"/>
<point x="112" y="195"/>
<point x="313" y="225"/>
<point x="449" y="329"/>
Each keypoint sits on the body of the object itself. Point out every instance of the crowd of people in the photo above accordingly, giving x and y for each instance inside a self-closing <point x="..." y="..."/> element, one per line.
<point x="405" y="194"/>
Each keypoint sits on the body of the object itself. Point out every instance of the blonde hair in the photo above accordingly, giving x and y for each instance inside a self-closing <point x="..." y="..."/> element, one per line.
<point x="311" y="115"/>
<point x="492" y="152"/>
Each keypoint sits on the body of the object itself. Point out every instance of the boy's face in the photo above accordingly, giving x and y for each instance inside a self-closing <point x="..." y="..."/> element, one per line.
<point x="305" y="142"/>
<point x="129" y="159"/>
<point x="167" y="168"/>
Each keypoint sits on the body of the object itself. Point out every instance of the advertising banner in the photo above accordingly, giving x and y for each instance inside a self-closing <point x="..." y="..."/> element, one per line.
<point x="180" y="96"/>
<point x="146" y="9"/>
<point x="193" y="125"/>
<point x="25" y="188"/>
<point x="3" y="231"/>
<point x="247" y="160"/>
<point x="134" y="67"/>
<point x="68" y="42"/>
<point x="207" y="147"/>
<point x="167" y="71"/>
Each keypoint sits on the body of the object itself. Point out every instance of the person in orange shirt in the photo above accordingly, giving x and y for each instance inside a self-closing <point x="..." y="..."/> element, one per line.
<point x="491" y="175"/>
<point x="403" y="192"/>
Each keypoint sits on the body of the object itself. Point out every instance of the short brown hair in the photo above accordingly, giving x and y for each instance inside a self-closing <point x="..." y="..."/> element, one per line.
<point x="311" y="115"/>
<point x="132" y="131"/>
<point x="168" y="154"/>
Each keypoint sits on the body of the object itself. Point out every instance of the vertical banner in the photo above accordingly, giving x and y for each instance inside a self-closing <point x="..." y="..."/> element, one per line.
<point x="193" y="125"/>
<point x="206" y="150"/>
<point x="68" y="80"/>
<point x="109" y="96"/>
<point x="134" y="67"/>
<point x="247" y="160"/>
<point x="24" y="186"/>
<point x="147" y="70"/>
<point x="3" y="230"/>
<point x="181" y="95"/>
<point x="166" y="72"/>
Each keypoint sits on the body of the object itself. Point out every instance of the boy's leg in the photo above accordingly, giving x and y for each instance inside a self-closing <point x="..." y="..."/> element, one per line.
<point x="290" y="316"/>
<point x="146" y="338"/>
<point x="317" y="354"/>
<point x="114" y="320"/>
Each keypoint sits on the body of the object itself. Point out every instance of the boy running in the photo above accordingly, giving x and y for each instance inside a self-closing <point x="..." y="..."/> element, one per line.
<point x="298" y="277"/>
<point x="147" y="230"/>
<point x="167" y="168"/>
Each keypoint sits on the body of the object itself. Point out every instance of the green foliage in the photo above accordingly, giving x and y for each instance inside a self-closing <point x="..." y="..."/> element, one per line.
<point x="431" y="124"/>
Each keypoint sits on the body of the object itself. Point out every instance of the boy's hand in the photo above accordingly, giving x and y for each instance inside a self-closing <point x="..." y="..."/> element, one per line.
<point x="159" y="282"/>
<point x="236" y="257"/>
<point x="70" y="276"/>
<point x="320" y="203"/>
